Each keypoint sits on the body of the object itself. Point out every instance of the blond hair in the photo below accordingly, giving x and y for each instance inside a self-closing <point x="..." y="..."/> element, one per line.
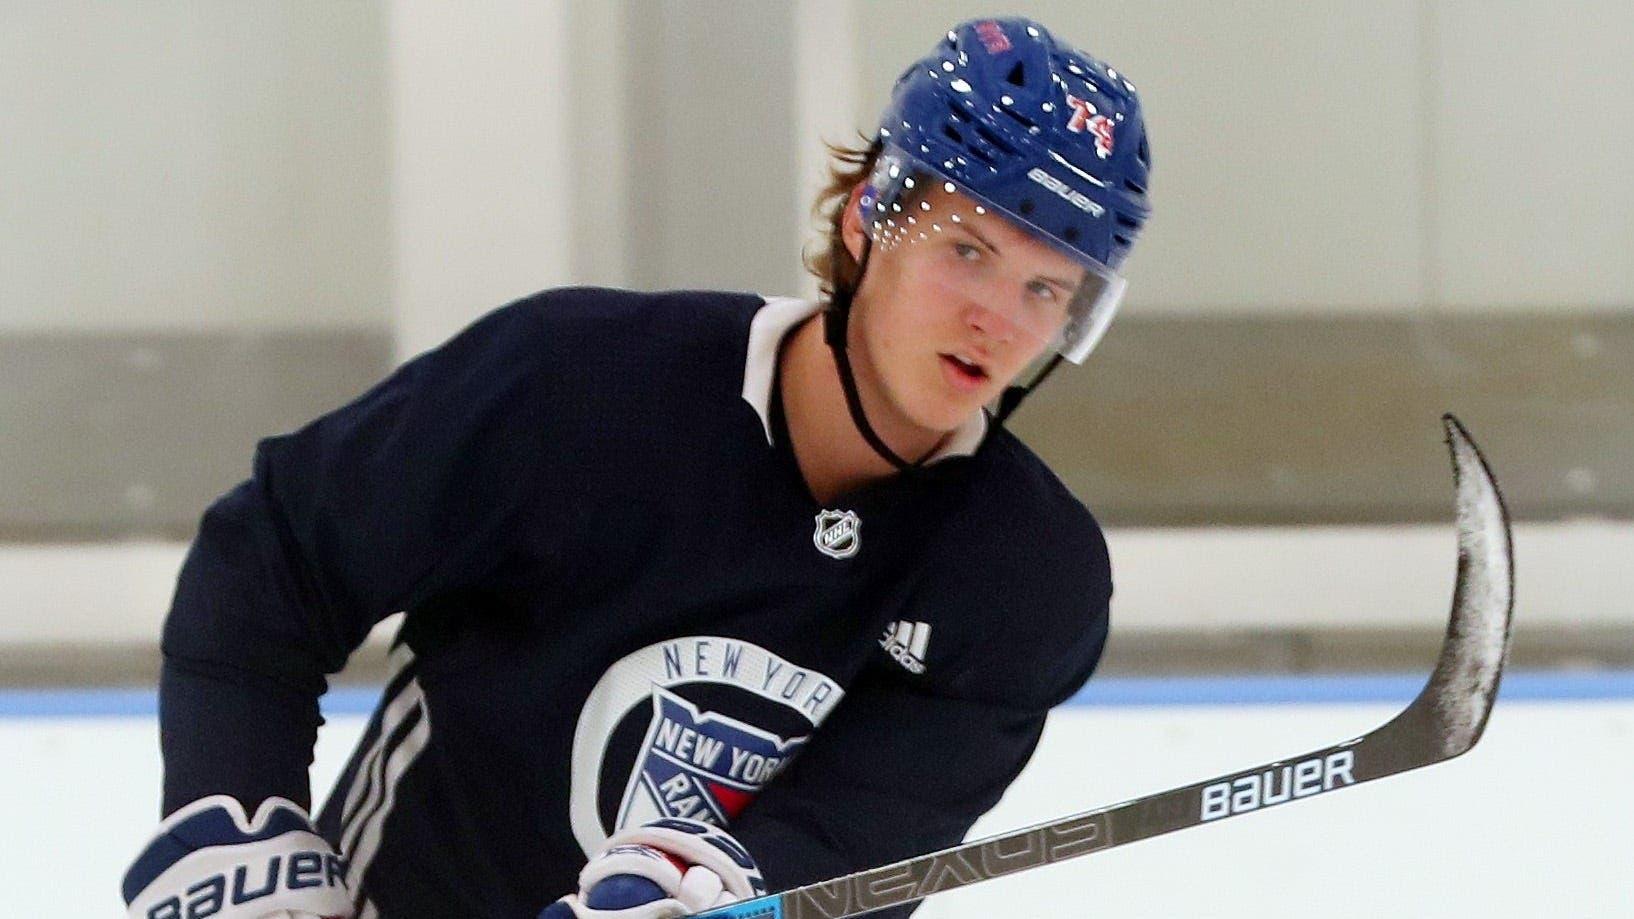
<point x="831" y="262"/>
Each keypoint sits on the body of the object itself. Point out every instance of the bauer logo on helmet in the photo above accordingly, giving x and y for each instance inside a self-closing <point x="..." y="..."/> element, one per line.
<point x="1076" y="198"/>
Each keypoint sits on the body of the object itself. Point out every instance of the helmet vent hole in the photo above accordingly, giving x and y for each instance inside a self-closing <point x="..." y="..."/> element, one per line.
<point x="952" y="133"/>
<point x="1019" y="118"/>
<point x="998" y="143"/>
<point x="1017" y="75"/>
<point x="1122" y="241"/>
<point x="1134" y="186"/>
<point x="1127" y="221"/>
<point x="1025" y="207"/>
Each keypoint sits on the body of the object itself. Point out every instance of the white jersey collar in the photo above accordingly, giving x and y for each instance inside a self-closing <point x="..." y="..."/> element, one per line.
<point x="766" y="332"/>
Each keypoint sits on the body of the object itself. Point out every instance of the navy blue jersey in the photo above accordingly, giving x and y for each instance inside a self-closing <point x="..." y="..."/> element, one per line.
<point x="622" y="602"/>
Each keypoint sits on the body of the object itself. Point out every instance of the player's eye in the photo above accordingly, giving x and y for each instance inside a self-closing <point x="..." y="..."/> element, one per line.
<point x="1041" y="290"/>
<point x="967" y="252"/>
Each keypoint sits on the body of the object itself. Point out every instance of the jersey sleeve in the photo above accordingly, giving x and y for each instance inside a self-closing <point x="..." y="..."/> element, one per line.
<point x="406" y="493"/>
<point x="903" y="768"/>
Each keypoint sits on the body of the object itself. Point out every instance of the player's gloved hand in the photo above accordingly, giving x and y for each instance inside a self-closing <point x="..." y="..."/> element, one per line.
<point x="208" y="859"/>
<point x="666" y="868"/>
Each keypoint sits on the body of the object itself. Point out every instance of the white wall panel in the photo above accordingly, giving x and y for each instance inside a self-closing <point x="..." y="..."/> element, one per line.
<point x="1567" y="575"/>
<point x="113" y="594"/>
<point x="481" y="201"/>
<point x="825" y="95"/>
<point x="599" y="152"/>
<point x="1534" y="132"/>
<point x="174" y="165"/>
<point x="1168" y="579"/>
<point x="711" y="114"/>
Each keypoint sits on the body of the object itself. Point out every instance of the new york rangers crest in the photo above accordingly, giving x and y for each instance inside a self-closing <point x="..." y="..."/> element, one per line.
<point x="838" y="533"/>
<point x="692" y="726"/>
<point x="700" y="765"/>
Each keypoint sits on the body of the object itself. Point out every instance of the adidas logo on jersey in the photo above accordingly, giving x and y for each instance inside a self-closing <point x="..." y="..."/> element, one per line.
<point x="905" y="642"/>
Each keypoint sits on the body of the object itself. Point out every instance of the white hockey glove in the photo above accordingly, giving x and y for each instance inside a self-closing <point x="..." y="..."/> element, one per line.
<point x="208" y="859"/>
<point x="661" y="870"/>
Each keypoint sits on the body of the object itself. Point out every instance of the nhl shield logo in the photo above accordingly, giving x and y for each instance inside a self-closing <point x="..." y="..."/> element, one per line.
<point x="837" y="534"/>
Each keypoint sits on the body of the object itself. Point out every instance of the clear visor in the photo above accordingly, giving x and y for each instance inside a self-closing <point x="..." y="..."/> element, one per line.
<point x="958" y="246"/>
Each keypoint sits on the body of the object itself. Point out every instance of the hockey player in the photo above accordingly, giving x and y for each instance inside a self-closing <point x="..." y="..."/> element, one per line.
<point x="693" y="582"/>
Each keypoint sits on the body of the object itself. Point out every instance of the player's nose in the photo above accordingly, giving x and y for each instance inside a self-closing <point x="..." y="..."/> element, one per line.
<point x="986" y="315"/>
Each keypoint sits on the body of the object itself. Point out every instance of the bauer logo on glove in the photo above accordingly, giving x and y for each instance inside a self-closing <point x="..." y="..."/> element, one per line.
<point x="209" y="859"/>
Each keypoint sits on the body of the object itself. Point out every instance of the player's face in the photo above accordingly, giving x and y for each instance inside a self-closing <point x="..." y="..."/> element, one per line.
<point x="954" y="305"/>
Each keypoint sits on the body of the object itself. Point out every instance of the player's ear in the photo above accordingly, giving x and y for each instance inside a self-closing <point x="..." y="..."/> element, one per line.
<point x="852" y="232"/>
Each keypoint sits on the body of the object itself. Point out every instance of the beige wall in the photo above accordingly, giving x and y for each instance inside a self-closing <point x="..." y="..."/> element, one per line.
<point x="184" y="165"/>
<point x="482" y="208"/>
<point x="1534" y="128"/>
<point x="356" y="169"/>
<point x="1206" y="580"/>
<point x="1331" y="156"/>
<point x="168" y="165"/>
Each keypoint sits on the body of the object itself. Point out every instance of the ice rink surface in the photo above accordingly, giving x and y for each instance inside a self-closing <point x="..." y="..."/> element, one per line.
<point x="1533" y="822"/>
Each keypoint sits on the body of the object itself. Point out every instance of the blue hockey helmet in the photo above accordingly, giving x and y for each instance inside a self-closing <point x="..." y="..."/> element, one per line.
<point x="1034" y="129"/>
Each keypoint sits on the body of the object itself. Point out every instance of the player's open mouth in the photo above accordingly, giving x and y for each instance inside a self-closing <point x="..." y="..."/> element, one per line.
<point x="965" y="374"/>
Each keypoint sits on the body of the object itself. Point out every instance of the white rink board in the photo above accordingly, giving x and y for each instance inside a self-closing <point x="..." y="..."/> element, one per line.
<point x="1533" y="822"/>
<point x="1169" y="579"/>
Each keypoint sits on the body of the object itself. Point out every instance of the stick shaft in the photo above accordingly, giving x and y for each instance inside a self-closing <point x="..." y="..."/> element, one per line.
<point x="1444" y="721"/>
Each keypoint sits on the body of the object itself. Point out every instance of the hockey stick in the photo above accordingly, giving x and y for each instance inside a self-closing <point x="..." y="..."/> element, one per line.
<point x="1445" y="720"/>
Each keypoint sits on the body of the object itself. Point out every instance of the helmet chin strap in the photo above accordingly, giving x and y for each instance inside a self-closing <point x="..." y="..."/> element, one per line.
<point x="836" y="320"/>
<point x="1011" y="398"/>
